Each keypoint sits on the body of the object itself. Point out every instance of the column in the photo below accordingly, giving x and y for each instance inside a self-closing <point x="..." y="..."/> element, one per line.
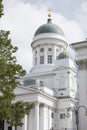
<point x="45" y="55"/>
<point x="13" y="128"/>
<point x="5" y="125"/>
<point x="42" y="117"/>
<point x="24" y="127"/>
<point x="36" y="122"/>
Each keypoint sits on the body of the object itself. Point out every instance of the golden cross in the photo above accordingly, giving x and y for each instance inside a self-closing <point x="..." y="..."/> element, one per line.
<point x="49" y="12"/>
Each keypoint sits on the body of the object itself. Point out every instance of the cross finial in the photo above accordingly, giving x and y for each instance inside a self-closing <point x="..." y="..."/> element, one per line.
<point x="65" y="48"/>
<point x="49" y="12"/>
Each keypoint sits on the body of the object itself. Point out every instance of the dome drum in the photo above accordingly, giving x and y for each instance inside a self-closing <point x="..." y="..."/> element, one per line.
<point x="49" y="41"/>
<point x="49" y="33"/>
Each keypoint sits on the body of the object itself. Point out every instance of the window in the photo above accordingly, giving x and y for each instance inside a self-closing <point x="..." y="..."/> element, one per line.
<point x="49" y="49"/>
<point x="52" y="115"/>
<point x="29" y="82"/>
<point x="41" y="59"/>
<point x="10" y="128"/>
<point x="42" y="49"/>
<point x="49" y="58"/>
<point x="35" y="60"/>
<point x="1" y="125"/>
<point x="62" y="116"/>
<point x="36" y="52"/>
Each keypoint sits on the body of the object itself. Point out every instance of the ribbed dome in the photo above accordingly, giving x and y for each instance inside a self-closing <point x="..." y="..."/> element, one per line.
<point x="64" y="55"/>
<point x="49" y="27"/>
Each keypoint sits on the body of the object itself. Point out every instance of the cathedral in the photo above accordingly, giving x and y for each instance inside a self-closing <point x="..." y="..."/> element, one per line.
<point x="57" y="83"/>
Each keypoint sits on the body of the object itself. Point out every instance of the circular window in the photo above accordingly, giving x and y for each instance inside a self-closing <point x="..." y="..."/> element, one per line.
<point x="42" y="49"/>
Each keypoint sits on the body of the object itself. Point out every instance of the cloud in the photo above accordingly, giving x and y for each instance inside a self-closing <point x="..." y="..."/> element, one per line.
<point x="22" y="19"/>
<point x="81" y="17"/>
<point x="71" y="28"/>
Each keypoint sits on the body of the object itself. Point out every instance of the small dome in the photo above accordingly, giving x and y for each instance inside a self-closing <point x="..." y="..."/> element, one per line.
<point x="64" y="55"/>
<point x="49" y="27"/>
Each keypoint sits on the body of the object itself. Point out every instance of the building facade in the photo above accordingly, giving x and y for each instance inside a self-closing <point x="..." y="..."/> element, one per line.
<point x="56" y="84"/>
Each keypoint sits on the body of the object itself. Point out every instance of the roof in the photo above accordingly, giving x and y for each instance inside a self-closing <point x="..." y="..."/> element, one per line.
<point x="49" y="27"/>
<point x="79" y="45"/>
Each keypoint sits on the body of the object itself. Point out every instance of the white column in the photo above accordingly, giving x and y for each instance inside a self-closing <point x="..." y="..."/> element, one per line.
<point x="42" y="118"/>
<point x="36" y="123"/>
<point x="24" y="127"/>
<point x="13" y="128"/>
<point x="5" y="125"/>
<point x="45" y="56"/>
<point x="44" y="122"/>
<point x="30" y="120"/>
<point x="53" y="54"/>
<point x="38" y="56"/>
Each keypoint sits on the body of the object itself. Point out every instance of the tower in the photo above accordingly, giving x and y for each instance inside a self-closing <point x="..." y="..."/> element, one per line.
<point x="48" y="42"/>
<point x="66" y="91"/>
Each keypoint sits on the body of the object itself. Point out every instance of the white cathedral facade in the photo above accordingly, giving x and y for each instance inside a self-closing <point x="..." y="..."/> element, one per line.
<point x="57" y="84"/>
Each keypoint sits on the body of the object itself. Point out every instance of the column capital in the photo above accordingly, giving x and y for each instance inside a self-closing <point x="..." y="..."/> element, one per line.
<point x="82" y="64"/>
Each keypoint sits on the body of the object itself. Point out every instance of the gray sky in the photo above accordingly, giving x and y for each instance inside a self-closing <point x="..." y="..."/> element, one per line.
<point x="23" y="17"/>
<point x="67" y="7"/>
<point x="71" y="9"/>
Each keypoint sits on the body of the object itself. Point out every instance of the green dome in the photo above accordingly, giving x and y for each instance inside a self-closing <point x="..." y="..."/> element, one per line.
<point x="49" y="27"/>
<point x="64" y="55"/>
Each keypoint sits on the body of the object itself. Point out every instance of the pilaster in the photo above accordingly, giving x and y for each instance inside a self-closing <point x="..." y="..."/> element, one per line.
<point x="24" y="127"/>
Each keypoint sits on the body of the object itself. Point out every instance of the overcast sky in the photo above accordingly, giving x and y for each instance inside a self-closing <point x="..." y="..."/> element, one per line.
<point x="23" y="17"/>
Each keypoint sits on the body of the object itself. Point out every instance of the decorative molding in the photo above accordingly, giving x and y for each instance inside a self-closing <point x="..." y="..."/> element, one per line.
<point x="82" y="65"/>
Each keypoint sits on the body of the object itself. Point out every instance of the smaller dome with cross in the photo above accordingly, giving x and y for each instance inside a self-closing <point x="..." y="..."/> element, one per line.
<point x="64" y="55"/>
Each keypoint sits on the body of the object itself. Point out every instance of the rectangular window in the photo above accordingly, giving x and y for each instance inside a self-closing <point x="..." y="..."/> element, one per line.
<point x="49" y="59"/>
<point x="10" y="128"/>
<point x="41" y="59"/>
<point x="62" y="116"/>
<point x="52" y="115"/>
<point x="35" y="60"/>
<point x="1" y="125"/>
<point x="49" y="49"/>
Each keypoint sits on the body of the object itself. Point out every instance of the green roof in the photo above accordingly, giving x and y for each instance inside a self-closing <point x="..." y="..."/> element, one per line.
<point x="49" y="27"/>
